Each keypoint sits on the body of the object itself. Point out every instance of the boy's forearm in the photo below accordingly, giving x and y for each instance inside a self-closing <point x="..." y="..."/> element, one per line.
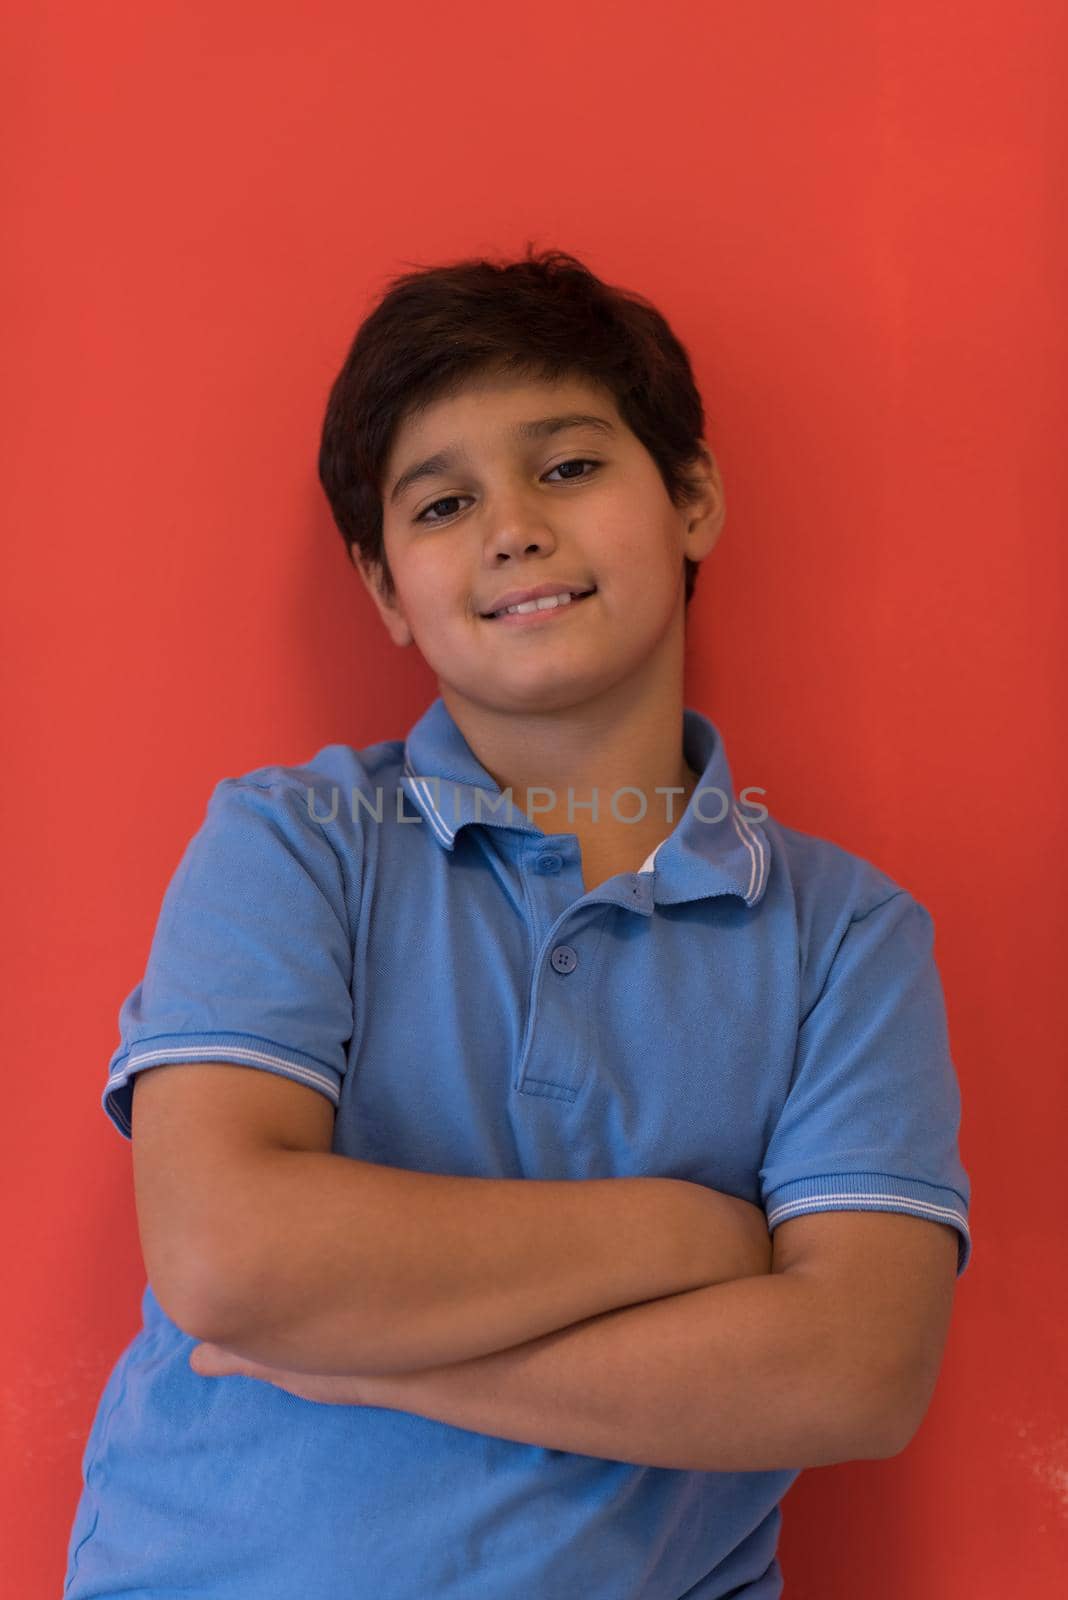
<point x="739" y="1377"/>
<point x="335" y="1265"/>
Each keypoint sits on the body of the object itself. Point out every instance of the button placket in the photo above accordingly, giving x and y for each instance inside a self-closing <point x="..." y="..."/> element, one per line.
<point x="555" y="1054"/>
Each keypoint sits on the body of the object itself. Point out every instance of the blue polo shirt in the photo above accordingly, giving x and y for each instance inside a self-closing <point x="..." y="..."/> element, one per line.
<point x="756" y="1009"/>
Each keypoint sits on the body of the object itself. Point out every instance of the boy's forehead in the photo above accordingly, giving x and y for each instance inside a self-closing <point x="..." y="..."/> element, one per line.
<point x="491" y="406"/>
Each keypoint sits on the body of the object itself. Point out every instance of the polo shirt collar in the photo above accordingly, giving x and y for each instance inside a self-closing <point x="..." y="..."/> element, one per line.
<point x="712" y="849"/>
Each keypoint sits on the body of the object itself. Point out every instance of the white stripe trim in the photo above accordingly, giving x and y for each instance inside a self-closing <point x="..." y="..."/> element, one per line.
<point x="218" y="1052"/>
<point x="437" y="821"/>
<point x="758" y="852"/>
<point x="881" y="1199"/>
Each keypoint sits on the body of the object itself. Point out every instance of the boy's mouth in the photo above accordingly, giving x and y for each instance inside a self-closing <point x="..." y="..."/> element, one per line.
<point x="539" y="609"/>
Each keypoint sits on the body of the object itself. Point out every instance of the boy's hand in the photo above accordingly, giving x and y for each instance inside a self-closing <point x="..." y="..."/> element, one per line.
<point x="214" y="1361"/>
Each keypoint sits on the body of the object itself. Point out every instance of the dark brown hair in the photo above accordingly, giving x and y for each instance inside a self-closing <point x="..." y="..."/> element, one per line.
<point x="543" y="317"/>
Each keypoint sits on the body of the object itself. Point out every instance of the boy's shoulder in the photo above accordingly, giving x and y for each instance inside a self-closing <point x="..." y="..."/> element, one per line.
<point x="819" y="871"/>
<point x="331" y="796"/>
<point x="829" y="890"/>
<point x="333" y="765"/>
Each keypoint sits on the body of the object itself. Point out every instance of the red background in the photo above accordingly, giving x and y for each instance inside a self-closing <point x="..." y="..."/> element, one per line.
<point x="852" y="216"/>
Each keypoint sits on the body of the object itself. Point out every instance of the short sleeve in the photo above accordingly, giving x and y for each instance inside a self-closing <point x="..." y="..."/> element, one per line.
<point x="252" y="958"/>
<point x="872" y="1117"/>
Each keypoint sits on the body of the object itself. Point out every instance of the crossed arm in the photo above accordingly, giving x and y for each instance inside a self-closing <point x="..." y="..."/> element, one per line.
<point x="817" y="1346"/>
<point x="735" y="1377"/>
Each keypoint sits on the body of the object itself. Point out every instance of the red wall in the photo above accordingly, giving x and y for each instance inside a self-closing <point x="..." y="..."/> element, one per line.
<point x="850" y="215"/>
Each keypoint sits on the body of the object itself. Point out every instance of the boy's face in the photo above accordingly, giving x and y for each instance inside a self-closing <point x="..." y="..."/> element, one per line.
<point x="503" y="517"/>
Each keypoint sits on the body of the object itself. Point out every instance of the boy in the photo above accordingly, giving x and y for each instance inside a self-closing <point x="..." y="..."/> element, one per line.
<point x="545" y="1157"/>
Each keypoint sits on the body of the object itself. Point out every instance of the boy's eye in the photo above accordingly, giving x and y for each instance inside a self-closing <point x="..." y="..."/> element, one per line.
<point x="450" y="499"/>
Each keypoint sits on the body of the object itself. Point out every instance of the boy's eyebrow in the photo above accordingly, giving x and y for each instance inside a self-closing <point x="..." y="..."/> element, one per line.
<point x="540" y="428"/>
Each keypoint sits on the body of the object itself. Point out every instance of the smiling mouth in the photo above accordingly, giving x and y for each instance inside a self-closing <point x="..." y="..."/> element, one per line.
<point x="538" y="611"/>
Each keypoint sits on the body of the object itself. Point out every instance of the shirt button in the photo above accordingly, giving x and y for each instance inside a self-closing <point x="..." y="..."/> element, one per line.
<point x="564" y="958"/>
<point x="548" y="861"/>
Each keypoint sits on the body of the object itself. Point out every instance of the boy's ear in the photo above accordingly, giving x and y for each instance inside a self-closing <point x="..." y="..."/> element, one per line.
<point x="705" y="517"/>
<point x="388" y="610"/>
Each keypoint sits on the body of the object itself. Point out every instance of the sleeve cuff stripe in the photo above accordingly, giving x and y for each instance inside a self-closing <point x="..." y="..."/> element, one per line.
<point x="876" y="1200"/>
<point x="879" y="1199"/>
<point x="240" y="1055"/>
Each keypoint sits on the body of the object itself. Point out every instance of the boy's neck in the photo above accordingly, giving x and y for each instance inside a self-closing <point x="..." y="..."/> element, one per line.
<point x="597" y="749"/>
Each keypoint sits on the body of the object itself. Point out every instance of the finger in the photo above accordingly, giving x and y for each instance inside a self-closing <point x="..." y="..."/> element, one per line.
<point x="213" y="1362"/>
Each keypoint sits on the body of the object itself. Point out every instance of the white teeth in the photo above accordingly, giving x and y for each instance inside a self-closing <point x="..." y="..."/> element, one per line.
<point x="547" y="604"/>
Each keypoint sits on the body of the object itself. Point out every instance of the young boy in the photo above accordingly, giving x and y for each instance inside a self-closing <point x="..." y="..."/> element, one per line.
<point x="548" y="1154"/>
